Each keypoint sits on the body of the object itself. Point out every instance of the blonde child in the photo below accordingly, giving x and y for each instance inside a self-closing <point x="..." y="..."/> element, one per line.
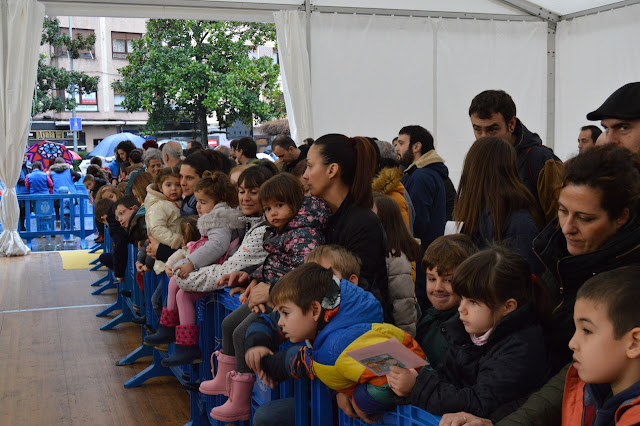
<point x="498" y="352"/>
<point x="162" y="205"/>
<point x="297" y="225"/>
<point x="220" y="226"/>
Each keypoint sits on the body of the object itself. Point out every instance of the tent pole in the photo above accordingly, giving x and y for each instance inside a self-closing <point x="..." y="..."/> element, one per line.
<point x="533" y="9"/>
<point x="551" y="85"/>
<point x="595" y="10"/>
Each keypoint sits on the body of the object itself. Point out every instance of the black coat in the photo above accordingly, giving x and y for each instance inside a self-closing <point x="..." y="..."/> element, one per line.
<point x="359" y="230"/>
<point x="120" y="239"/>
<point x="480" y="379"/>
<point x="531" y="156"/>
<point x="565" y="274"/>
<point x="288" y="168"/>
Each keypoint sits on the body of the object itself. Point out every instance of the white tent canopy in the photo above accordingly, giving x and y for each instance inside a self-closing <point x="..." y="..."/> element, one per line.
<point x="369" y="67"/>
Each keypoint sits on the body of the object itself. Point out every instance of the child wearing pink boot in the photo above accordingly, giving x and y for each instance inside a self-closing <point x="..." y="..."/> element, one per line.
<point x="297" y="225"/>
<point x="220" y="226"/>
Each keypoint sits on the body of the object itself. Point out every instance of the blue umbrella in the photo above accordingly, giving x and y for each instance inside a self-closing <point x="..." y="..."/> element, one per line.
<point x="107" y="145"/>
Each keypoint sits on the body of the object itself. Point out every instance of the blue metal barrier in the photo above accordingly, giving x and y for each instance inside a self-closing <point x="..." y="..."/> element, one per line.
<point x="126" y="304"/>
<point x="108" y="281"/>
<point x="44" y="213"/>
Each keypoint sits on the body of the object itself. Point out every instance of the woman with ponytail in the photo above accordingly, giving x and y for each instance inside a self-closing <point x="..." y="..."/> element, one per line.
<point x="340" y="171"/>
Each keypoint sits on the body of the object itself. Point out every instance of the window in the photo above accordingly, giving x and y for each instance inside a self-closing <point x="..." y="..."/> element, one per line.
<point x="121" y="44"/>
<point x="274" y="55"/>
<point x="117" y="102"/>
<point x="86" y="102"/>
<point x="87" y="54"/>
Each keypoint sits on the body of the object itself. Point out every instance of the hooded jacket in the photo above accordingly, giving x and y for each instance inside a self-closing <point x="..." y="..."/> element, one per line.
<point x="62" y="174"/>
<point x="402" y="292"/>
<point x="389" y="183"/>
<point x="288" y="168"/>
<point x="163" y="221"/>
<point x="250" y="252"/>
<point x="424" y="181"/>
<point x="353" y="322"/>
<point x="565" y="274"/>
<point x="218" y="228"/>
<point x="287" y="249"/>
<point x="583" y="402"/>
<point x="532" y="156"/>
<point x="480" y="379"/>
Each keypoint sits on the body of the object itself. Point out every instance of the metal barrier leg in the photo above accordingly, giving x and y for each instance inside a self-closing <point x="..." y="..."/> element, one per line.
<point x="108" y="286"/>
<point x="101" y="281"/>
<point x="125" y="316"/>
<point x="95" y="247"/>
<point x="97" y="266"/>
<point x="154" y="370"/>
<point x="140" y="352"/>
<point x="116" y="306"/>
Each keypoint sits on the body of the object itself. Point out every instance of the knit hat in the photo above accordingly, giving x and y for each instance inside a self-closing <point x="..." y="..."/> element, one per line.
<point x="623" y="104"/>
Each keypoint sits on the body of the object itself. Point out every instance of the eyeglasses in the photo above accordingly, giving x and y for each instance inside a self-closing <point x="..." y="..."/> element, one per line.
<point x="121" y="213"/>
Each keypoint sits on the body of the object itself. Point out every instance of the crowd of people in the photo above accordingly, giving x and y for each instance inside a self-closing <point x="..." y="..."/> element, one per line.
<point x="518" y="290"/>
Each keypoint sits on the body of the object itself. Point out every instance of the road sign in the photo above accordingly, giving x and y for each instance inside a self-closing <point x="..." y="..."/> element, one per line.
<point x="75" y="123"/>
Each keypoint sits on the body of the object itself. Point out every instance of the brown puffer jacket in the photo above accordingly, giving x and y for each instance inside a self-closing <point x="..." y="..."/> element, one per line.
<point x="388" y="182"/>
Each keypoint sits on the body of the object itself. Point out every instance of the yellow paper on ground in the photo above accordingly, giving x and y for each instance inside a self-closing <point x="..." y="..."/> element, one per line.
<point x="78" y="259"/>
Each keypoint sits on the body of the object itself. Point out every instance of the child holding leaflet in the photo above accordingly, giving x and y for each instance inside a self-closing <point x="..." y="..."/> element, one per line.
<point x="497" y="350"/>
<point x="297" y="225"/>
<point x="603" y="385"/>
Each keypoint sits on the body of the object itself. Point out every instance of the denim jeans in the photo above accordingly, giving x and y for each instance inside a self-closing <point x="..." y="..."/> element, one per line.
<point x="279" y="412"/>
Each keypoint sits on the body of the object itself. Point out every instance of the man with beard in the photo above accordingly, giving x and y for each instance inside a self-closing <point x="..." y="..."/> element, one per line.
<point x="424" y="179"/>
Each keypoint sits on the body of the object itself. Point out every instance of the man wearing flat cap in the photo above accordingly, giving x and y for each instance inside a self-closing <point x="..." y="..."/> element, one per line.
<point x="620" y="116"/>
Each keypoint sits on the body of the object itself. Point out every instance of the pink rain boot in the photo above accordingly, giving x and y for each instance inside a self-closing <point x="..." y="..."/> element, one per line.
<point x="218" y="385"/>
<point x="238" y="406"/>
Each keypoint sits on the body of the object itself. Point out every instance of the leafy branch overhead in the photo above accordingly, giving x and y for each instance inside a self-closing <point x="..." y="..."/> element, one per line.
<point x="187" y="70"/>
<point x="51" y="80"/>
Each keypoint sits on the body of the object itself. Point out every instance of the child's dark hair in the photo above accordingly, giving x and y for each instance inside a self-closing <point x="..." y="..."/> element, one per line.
<point x="88" y="178"/>
<point x="218" y="186"/>
<point x="495" y="275"/>
<point x="124" y="166"/>
<point x="618" y="291"/>
<point x="399" y="239"/>
<point x="135" y="156"/>
<point x="268" y="164"/>
<point x="102" y="208"/>
<point x="254" y="177"/>
<point x="447" y="252"/>
<point x="284" y="188"/>
<point x="304" y="285"/>
<point x="341" y="259"/>
<point x="189" y="228"/>
<point x="164" y="174"/>
<point x="97" y="161"/>
<point x="128" y="201"/>
<point x="97" y="172"/>
<point x="36" y="165"/>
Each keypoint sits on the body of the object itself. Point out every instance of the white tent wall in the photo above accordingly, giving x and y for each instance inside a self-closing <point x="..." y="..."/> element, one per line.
<point x="480" y="55"/>
<point x="371" y="75"/>
<point x="595" y="55"/>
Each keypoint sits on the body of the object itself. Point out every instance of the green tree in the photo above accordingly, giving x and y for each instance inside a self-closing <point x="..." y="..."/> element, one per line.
<point x="187" y="70"/>
<point x="51" y="79"/>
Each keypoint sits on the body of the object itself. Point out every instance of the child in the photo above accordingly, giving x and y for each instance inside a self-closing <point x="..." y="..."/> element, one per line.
<point x="117" y="258"/>
<point x="163" y="210"/>
<point x="221" y="229"/>
<point x="334" y="316"/>
<point x="108" y="191"/>
<point x="125" y="209"/>
<point x="138" y="226"/>
<point x="603" y="385"/>
<point x="297" y="225"/>
<point x="498" y="352"/>
<point x="402" y="252"/>
<point x="440" y="261"/>
<point x="93" y="184"/>
<point x="263" y="333"/>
